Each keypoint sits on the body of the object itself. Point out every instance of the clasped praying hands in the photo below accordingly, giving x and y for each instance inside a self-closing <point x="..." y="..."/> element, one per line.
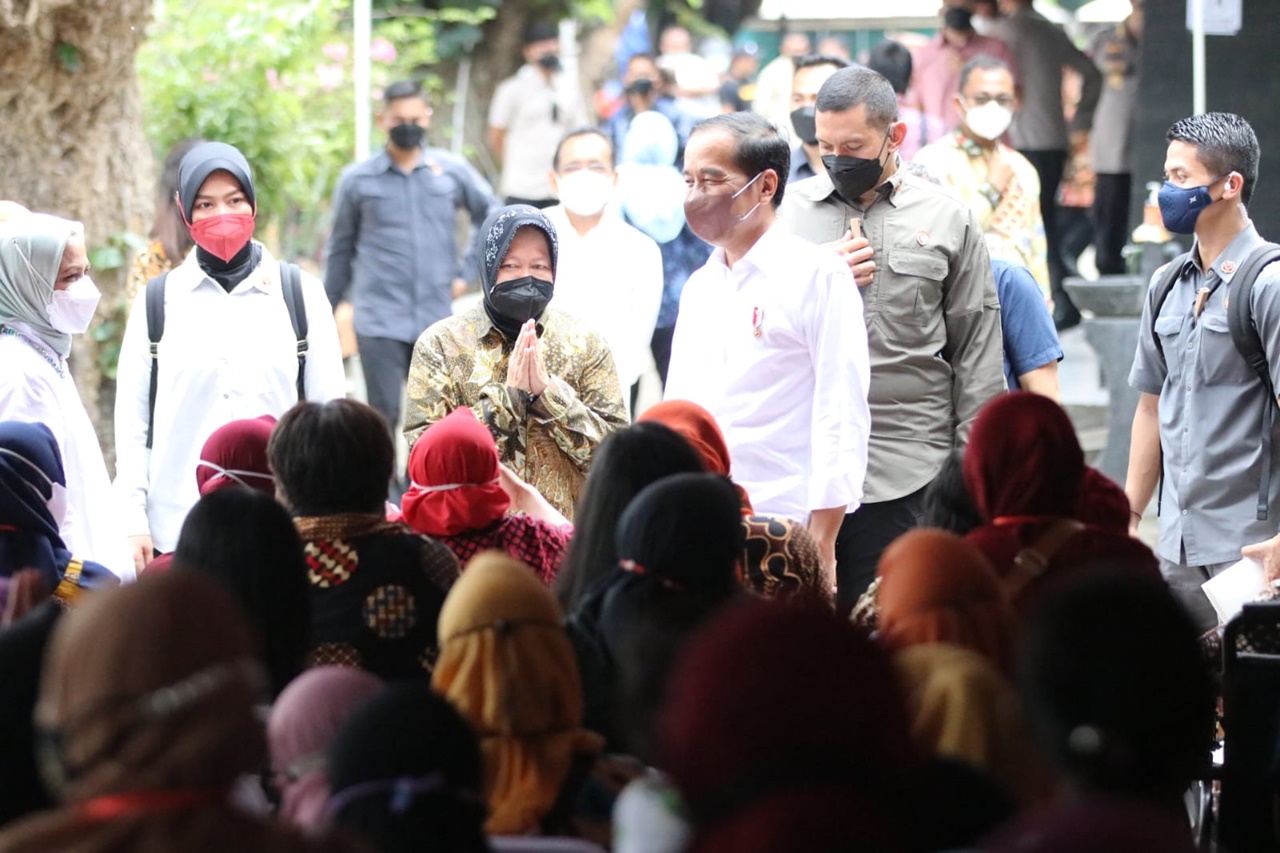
<point x="526" y="370"/>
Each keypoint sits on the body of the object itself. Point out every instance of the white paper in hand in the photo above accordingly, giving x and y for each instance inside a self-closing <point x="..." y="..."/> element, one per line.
<point x="1233" y="587"/>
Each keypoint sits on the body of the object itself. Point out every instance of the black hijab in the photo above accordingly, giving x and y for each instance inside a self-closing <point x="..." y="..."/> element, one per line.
<point x="196" y="167"/>
<point x="497" y="233"/>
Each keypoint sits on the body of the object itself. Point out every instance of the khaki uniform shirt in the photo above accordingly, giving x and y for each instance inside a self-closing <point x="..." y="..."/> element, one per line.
<point x="462" y="361"/>
<point x="933" y="321"/>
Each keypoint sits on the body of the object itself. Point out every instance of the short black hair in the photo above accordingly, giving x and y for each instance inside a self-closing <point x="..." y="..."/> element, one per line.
<point x="857" y="86"/>
<point x="814" y="60"/>
<point x="402" y="89"/>
<point x="583" y="131"/>
<point x="892" y="60"/>
<point x="757" y="145"/>
<point x="540" y="32"/>
<point x="331" y="458"/>
<point x="1225" y="143"/>
<point x="981" y="62"/>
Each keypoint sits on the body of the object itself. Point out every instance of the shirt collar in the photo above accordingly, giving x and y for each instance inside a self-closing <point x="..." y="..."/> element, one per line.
<point x="384" y="163"/>
<point x="193" y="276"/>
<point x="764" y="256"/>
<point x="820" y="187"/>
<point x="1231" y="258"/>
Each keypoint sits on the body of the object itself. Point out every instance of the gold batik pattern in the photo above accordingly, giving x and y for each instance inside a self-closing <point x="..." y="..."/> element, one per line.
<point x="549" y="442"/>
<point x="149" y="263"/>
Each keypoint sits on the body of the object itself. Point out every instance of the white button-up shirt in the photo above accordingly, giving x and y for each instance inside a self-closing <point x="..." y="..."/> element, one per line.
<point x="791" y="400"/>
<point x="611" y="279"/>
<point x="224" y="357"/>
<point x="31" y="391"/>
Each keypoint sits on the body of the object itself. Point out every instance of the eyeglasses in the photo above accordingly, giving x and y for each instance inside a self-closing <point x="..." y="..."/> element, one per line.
<point x="1005" y="101"/>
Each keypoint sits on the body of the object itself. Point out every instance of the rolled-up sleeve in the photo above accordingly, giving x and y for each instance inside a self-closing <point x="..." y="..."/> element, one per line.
<point x="975" y="346"/>
<point x="841" y="421"/>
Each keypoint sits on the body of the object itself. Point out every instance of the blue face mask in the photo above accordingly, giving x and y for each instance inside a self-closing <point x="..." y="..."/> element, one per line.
<point x="1180" y="207"/>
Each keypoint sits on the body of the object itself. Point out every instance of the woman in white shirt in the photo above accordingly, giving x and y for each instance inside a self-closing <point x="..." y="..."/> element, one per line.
<point x="46" y="296"/>
<point x="228" y="351"/>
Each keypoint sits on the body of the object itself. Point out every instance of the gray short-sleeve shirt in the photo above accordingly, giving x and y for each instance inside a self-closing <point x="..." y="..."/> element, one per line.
<point x="1211" y="409"/>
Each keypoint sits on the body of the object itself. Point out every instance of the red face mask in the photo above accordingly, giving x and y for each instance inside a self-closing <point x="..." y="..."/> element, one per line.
<point x="223" y="235"/>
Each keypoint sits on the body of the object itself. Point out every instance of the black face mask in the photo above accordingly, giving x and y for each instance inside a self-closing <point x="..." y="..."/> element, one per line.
<point x="959" y="19"/>
<point x="853" y="176"/>
<point x="805" y="125"/>
<point x="549" y="62"/>
<point x="511" y="304"/>
<point x="642" y="87"/>
<point x="407" y="136"/>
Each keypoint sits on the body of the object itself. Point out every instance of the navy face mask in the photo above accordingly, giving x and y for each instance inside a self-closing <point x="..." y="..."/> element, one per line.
<point x="1180" y="206"/>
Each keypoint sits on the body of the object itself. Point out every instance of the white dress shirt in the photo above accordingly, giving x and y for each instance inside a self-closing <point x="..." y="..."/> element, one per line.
<point x="224" y="357"/>
<point x="611" y="279"/>
<point x="792" y="400"/>
<point x="32" y="392"/>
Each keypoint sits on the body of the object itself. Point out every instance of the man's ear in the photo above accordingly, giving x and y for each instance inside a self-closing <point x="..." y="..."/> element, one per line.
<point x="1233" y="187"/>
<point x="897" y="135"/>
<point x="768" y="185"/>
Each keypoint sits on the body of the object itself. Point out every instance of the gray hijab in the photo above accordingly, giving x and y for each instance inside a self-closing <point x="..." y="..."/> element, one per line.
<point x="30" y="255"/>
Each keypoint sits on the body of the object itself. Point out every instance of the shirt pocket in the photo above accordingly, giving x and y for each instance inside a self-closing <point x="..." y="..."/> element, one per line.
<point x="1220" y="361"/>
<point x="912" y="293"/>
<point x="381" y="206"/>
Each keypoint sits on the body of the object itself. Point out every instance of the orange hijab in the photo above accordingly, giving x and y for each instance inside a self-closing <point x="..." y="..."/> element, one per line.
<point x="696" y="426"/>
<point x="937" y="588"/>
<point x="507" y="665"/>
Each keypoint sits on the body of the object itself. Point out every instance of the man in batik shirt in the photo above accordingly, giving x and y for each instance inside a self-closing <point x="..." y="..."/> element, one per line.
<point x="542" y="382"/>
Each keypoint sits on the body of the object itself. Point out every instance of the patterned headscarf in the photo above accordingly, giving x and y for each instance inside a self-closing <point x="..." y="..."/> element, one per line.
<point x="30" y="255"/>
<point x="500" y="229"/>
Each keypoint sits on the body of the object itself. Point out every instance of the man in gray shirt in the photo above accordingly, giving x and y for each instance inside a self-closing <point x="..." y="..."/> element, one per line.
<point x="1039" y="131"/>
<point x="933" y="320"/>
<point x="394" y="242"/>
<point x="1118" y="53"/>
<point x="1201" y="402"/>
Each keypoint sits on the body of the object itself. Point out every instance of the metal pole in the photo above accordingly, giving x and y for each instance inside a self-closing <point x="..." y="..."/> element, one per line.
<point x="1197" y="56"/>
<point x="460" y="104"/>
<point x="361" y="36"/>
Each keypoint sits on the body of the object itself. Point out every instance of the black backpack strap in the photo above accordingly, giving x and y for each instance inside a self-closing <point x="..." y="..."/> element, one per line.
<point x="291" y="284"/>
<point x="1244" y="334"/>
<point x="155" y="331"/>
<point x="1164" y="287"/>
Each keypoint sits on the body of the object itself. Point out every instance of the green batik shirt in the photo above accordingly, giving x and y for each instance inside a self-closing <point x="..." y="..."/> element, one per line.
<point x="548" y="441"/>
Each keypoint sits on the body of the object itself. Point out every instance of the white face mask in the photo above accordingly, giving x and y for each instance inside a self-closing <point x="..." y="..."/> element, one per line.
<point x="988" y="121"/>
<point x="71" y="310"/>
<point x="585" y="192"/>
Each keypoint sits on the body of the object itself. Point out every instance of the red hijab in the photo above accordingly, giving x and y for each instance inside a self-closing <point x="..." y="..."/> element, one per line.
<point x="1024" y="468"/>
<point x="453" y="469"/>
<point x="696" y="426"/>
<point x="1023" y="458"/>
<point x="236" y="455"/>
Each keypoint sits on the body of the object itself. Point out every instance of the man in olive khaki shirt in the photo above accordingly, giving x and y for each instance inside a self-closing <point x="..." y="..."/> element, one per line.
<point x="933" y="320"/>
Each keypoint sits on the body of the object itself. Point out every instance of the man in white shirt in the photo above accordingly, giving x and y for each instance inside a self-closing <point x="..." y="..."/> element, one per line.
<point x="771" y="338"/>
<point x="228" y="351"/>
<point x="531" y="110"/>
<point x="623" y="304"/>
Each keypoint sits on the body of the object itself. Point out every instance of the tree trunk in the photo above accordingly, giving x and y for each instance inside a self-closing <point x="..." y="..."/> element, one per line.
<point x="72" y="141"/>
